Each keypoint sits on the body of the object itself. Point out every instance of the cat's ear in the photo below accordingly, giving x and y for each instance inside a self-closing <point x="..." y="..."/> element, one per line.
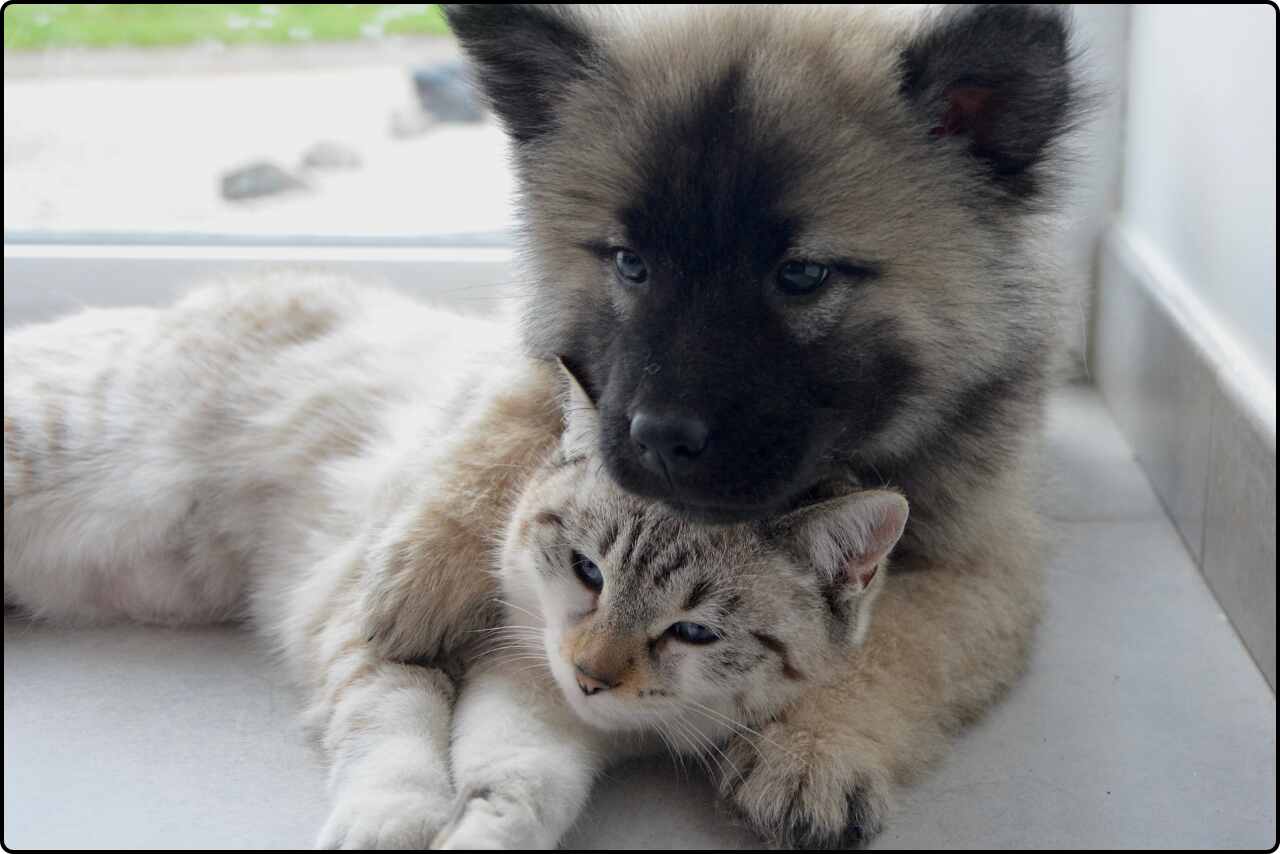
<point x="525" y="57"/>
<point x="847" y="539"/>
<point x="581" y="418"/>
<point x="998" y="77"/>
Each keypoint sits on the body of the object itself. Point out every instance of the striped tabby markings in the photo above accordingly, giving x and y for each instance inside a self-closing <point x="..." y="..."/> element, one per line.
<point x="776" y="646"/>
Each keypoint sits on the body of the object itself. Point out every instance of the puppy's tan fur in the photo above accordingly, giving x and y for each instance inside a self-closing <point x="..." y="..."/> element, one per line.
<point x="933" y="143"/>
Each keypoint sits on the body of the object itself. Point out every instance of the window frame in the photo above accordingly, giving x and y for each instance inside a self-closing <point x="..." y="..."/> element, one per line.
<point x="45" y="278"/>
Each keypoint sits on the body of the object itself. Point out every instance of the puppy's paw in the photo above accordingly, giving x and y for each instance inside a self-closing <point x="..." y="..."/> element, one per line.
<point x="796" y="789"/>
<point x="385" y="819"/>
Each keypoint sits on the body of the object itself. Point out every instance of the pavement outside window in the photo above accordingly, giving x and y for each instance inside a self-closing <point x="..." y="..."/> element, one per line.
<point x="353" y="139"/>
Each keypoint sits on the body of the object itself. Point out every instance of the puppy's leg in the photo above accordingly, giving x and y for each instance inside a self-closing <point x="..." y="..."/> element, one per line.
<point x="947" y="639"/>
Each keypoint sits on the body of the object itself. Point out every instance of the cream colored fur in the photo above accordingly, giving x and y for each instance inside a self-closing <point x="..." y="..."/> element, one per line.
<point x="346" y="470"/>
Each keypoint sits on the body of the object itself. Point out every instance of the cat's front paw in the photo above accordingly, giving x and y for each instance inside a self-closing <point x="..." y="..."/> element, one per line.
<point x="385" y="819"/>
<point x="474" y="839"/>
<point x="798" y="788"/>
<point x="483" y="822"/>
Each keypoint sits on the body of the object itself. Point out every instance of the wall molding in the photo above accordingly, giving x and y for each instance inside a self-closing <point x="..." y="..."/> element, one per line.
<point x="44" y="280"/>
<point x="1235" y="368"/>
<point x="1199" y="414"/>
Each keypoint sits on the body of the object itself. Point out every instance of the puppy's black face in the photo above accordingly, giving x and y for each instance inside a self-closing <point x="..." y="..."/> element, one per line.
<point x="733" y="434"/>
<point x="766" y="259"/>
<point x="711" y="397"/>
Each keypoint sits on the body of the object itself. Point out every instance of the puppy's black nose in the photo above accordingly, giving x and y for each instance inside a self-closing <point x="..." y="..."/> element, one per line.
<point x="668" y="439"/>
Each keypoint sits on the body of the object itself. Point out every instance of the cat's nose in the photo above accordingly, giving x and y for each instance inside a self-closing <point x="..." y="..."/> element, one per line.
<point x="592" y="683"/>
<point x="668" y="440"/>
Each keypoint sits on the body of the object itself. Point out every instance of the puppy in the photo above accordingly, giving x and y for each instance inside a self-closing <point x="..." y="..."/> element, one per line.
<point x="789" y="245"/>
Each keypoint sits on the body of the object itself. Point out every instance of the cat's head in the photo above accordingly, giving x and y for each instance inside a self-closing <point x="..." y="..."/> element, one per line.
<point x="644" y="616"/>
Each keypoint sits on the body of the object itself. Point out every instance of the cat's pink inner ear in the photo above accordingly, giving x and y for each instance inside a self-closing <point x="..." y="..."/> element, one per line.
<point x="888" y="518"/>
<point x="581" y="420"/>
<point x="577" y="390"/>
<point x="865" y="577"/>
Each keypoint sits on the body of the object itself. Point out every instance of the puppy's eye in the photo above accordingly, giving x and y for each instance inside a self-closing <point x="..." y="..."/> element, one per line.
<point x="801" y="277"/>
<point x="692" y="633"/>
<point x="630" y="266"/>
<point x="588" y="573"/>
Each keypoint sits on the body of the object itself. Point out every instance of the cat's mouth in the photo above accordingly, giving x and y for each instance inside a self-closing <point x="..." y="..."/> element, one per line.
<point x="620" y="711"/>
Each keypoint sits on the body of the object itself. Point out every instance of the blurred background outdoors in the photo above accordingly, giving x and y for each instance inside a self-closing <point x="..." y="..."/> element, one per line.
<point x="326" y="120"/>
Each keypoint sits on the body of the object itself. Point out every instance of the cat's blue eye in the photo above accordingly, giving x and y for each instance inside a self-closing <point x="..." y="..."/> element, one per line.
<point x="692" y="633"/>
<point x="588" y="573"/>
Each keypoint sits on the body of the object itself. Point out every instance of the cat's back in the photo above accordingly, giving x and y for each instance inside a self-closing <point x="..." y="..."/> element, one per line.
<point x="303" y="326"/>
<point x="280" y="363"/>
<point x="322" y="376"/>
<point x="138" y="438"/>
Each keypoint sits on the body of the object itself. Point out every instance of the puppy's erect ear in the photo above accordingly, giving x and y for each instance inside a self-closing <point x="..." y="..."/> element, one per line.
<point x="846" y="540"/>
<point x="998" y="76"/>
<point x="581" y="419"/>
<point x="524" y="56"/>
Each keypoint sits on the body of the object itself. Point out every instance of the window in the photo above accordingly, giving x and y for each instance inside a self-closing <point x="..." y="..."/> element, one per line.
<point x="149" y="144"/>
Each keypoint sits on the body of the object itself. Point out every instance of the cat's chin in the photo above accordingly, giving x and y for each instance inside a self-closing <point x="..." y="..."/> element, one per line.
<point x="598" y="715"/>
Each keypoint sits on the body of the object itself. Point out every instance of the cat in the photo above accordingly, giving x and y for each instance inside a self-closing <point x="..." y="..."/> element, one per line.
<point x="284" y="450"/>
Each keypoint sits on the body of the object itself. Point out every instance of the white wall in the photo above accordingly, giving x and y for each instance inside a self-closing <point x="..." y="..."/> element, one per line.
<point x="1101" y="34"/>
<point x="1199" y="186"/>
<point x="1184" y="343"/>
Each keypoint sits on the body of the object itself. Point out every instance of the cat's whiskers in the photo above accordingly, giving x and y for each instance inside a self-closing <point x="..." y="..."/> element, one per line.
<point x="503" y="632"/>
<point x="710" y="742"/>
<point x="694" y="705"/>
<point x="749" y="741"/>
<point x="506" y="629"/>
<point x="660" y="729"/>
<point x="695" y="742"/>
<point x="529" y="663"/>
<point x="541" y="665"/>
<point x="711" y="753"/>
<point x="518" y="644"/>
<point x="523" y="648"/>
<point x="527" y="636"/>
<point x="515" y="607"/>
<point x="691" y="748"/>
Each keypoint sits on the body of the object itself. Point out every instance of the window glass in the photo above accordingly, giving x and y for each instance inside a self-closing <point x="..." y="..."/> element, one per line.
<point x="283" y="120"/>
